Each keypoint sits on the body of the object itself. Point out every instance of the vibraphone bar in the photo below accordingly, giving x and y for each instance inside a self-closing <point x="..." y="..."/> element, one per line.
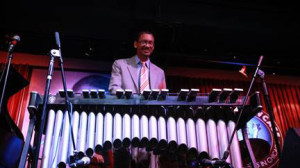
<point x="186" y="123"/>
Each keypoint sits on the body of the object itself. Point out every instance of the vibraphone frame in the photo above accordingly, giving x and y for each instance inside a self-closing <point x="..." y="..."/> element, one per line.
<point x="91" y="100"/>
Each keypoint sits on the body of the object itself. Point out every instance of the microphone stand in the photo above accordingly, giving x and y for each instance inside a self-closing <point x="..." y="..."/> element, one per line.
<point x="270" y="109"/>
<point x="244" y="131"/>
<point x="38" y="136"/>
<point x="6" y="70"/>
<point x="40" y="129"/>
<point x="69" y="105"/>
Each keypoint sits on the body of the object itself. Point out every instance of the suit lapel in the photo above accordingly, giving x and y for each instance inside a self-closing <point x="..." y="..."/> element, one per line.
<point x="133" y="71"/>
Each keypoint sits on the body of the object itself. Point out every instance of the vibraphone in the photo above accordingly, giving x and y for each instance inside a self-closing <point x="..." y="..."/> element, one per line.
<point x="187" y="123"/>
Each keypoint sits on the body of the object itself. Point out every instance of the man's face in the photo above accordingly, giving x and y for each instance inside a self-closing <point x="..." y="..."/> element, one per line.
<point x="145" y="45"/>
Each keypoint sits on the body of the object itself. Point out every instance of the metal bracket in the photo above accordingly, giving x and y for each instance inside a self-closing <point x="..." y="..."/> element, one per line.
<point x="55" y="53"/>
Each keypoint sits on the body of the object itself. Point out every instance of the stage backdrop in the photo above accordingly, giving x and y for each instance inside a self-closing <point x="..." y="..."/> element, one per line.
<point x="75" y="80"/>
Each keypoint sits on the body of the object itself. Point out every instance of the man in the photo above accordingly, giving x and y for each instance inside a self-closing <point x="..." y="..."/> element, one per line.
<point x="138" y="73"/>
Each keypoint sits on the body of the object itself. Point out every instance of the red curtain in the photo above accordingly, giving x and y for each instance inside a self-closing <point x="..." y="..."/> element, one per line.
<point x="17" y="103"/>
<point x="285" y="99"/>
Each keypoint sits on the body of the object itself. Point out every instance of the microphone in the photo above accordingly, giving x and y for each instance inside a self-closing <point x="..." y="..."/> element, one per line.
<point x="82" y="162"/>
<point x="208" y="162"/>
<point x="14" y="40"/>
<point x="57" y="39"/>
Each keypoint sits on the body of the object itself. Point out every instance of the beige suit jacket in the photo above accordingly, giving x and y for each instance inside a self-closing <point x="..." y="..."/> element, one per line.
<point x="124" y="75"/>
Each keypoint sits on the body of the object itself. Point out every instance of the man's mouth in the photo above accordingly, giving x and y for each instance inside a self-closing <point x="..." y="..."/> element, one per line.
<point x="147" y="51"/>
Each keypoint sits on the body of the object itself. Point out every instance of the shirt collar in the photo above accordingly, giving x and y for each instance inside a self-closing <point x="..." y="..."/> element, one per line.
<point x="139" y="62"/>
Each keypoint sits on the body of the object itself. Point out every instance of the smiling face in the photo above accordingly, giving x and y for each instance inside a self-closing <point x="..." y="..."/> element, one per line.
<point x="144" y="46"/>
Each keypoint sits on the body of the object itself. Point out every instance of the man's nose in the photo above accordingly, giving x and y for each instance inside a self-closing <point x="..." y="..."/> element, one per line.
<point x="148" y="45"/>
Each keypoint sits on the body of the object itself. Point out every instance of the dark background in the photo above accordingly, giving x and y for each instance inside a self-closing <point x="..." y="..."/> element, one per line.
<point x="189" y="33"/>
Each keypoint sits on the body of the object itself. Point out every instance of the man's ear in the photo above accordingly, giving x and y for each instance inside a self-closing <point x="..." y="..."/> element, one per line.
<point x="135" y="44"/>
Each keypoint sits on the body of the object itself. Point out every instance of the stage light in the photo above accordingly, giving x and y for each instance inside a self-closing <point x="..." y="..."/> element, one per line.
<point x="243" y="71"/>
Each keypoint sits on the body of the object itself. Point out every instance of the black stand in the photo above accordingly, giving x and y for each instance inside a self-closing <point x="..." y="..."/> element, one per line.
<point x="27" y="142"/>
<point x="248" y="147"/>
<point x="69" y="105"/>
<point x="5" y="79"/>
<point x="33" y="116"/>
<point x="40" y="127"/>
<point x="41" y="123"/>
<point x="11" y="47"/>
<point x="270" y="110"/>
<point x="245" y="136"/>
<point x="10" y="133"/>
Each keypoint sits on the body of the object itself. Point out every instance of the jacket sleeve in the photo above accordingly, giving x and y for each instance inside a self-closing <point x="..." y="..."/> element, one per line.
<point x="162" y="84"/>
<point x="116" y="78"/>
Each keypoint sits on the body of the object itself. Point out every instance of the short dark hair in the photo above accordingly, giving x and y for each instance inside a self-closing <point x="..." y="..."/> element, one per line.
<point x="138" y="35"/>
